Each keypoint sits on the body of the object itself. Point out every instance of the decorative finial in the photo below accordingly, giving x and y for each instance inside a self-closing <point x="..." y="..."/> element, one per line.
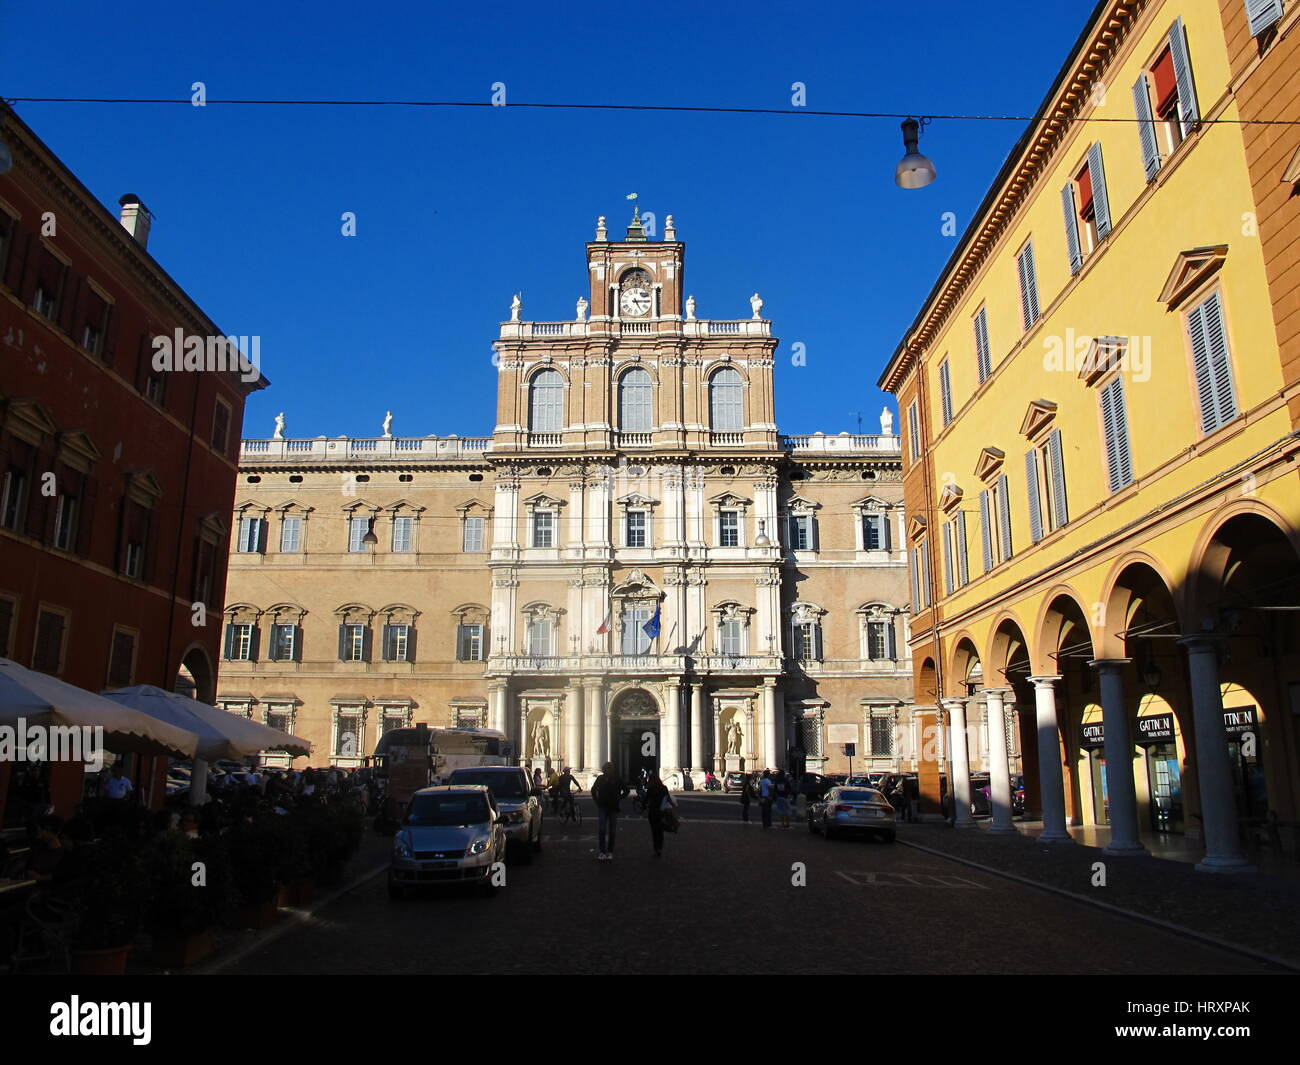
<point x="670" y="229"/>
<point x="515" y="305"/>
<point x="600" y="228"/>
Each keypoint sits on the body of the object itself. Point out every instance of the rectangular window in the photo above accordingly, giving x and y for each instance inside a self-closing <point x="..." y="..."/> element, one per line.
<point x="807" y="642"/>
<point x="1212" y="364"/>
<point x="945" y="391"/>
<point x="1028" y="286"/>
<point x="279" y="717"/>
<point x="347" y="733"/>
<point x="221" y="427"/>
<point x="357" y="529"/>
<point x="65" y="523"/>
<point x="729" y="528"/>
<point x="1114" y="419"/>
<point x="251" y="536"/>
<point x="472" y="540"/>
<point x="47" y="656"/>
<point x="133" y="560"/>
<point x="402" y="534"/>
<point x="1087" y="209"/>
<point x="801" y="532"/>
<point x="959" y="538"/>
<point x="875" y="532"/>
<point x="291" y="535"/>
<point x="240" y="642"/>
<point x="8" y="609"/>
<point x="396" y="643"/>
<point x="284" y="643"/>
<point x="14" y="508"/>
<point x="635" y="639"/>
<point x="154" y="388"/>
<point x="539" y="638"/>
<point x="882" y="737"/>
<point x="949" y="569"/>
<point x="543" y="528"/>
<point x="925" y="572"/>
<point x="878" y="640"/>
<point x="469" y="643"/>
<point x="635" y="528"/>
<point x="983" y="360"/>
<point x="731" y="637"/>
<point x="352" y="643"/>
<point x="913" y="432"/>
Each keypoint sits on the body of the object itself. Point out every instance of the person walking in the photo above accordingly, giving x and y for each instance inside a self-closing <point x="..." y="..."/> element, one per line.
<point x="608" y="790"/>
<point x="781" y="789"/>
<point x="659" y="805"/>
<point x="745" y="798"/>
<point x="765" y="797"/>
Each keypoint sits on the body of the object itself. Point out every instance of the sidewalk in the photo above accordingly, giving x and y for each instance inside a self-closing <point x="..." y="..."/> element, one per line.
<point x="1257" y="911"/>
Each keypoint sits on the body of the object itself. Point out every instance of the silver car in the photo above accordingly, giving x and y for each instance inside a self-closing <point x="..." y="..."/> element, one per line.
<point x="847" y="809"/>
<point x="516" y="798"/>
<point x="449" y="835"/>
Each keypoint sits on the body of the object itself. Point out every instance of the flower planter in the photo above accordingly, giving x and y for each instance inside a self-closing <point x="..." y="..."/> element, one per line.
<point x="107" y="961"/>
<point x="178" y="951"/>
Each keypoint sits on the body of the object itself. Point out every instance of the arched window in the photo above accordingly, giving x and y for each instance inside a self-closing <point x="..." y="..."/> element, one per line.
<point x="635" y="402"/>
<point x="546" y="402"/>
<point x="726" y="401"/>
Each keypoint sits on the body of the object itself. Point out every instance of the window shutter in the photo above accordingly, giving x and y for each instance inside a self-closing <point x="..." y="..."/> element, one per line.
<point x="963" y="563"/>
<point x="1071" y="228"/>
<point x="1115" y="420"/>
<point x="914" y="431"/>
<point x="366" y="634"/>
<point x="945" y="391"/>
<point x="986" y="530"/>
<point x="1057" y="462"/>
<point x="982" y="344"/>
<point x="390" y="649"/>
<point x="1189" y="113"/>
<point x="925" y="571"/>
<point x="1035" y="508"/>
<point x="1004" y="516"/>
<point x="947" y="558"/>
<point x="1028" y="286"/>
<point x="886" y="537"/>
<point x="817" y="642"/>
<point x="229" y="651"/>
<point x="410" y="643"/>
<point x="1201" y="363"/>
<point x="1146" y="127"/>
<point x="1220" y="365"/>
<point x="916" y="581"/>
<point x="254" y="643"/>
<point x="343" y="643"/>
<point x="297" y="643"/>
<point x="1262" y="14"/>
<point x="1100" y="204"/>
<point x="890" y="640"/>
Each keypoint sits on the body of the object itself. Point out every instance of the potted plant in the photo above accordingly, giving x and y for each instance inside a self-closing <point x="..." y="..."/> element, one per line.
<point x="294" y="865"/>
<point x="256" y="845"/>
<point x="332" y="835"/>
<point x="108" y="898"/>
<point x="191" y="881"/>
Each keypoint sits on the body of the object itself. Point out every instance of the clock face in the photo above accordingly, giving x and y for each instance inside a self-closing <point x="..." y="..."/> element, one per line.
<point x="636" y="300"/>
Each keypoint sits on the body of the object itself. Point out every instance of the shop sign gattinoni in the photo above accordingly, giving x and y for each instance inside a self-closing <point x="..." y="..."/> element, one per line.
<point x="1092" y="735"/>
<point x="1156" y="728"/>
<point x="1240" y="719"/>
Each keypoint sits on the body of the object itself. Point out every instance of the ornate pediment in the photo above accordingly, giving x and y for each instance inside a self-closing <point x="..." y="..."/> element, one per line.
<point x="636" y="500"/>
<point x="989" y="463"/>
<point x="636" y="585"/>
<point x="731" y="610"/>
<point x="1190" y="270"/>
<point x="78" y="450"/>
<point x="869" y="504"/>
<point x="212" y="529"/>
<point x="143" y="488"/>
<point x="28" y="420"/>
<point x="1038" y="417"/>
<point x="729" y="501"/>
<point x="950" y="498"/>
<point x="542" y="501"/>
<point x="803" y="613"/>
<point x="800" y="505"/>
<point x="407" y="505"/>
<point x="361" y="504"/>
<point x="471" y="505"/>
<point x="295" y="505"/>
<point x="916" y="527"/>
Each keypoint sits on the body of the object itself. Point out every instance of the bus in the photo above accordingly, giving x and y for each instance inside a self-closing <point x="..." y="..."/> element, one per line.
<point x="408" y="759"/>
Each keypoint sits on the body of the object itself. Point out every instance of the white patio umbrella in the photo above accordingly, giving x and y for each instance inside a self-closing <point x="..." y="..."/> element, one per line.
<point x="221" y="734"/>
<point x="37" y="699"/>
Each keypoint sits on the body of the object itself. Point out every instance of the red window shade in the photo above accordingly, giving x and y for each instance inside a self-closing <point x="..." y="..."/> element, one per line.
<point x="1163" y="75"/>
<point x="1085" y="192"/>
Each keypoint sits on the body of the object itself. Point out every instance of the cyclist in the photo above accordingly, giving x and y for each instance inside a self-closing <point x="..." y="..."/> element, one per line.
<point x="564" y="792"/>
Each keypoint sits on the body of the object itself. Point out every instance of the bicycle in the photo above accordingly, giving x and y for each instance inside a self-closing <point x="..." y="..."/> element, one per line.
<point x="570" y="811"/>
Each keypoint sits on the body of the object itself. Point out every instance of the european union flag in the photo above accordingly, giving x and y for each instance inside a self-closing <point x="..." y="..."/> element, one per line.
<point x="651" y="627"/>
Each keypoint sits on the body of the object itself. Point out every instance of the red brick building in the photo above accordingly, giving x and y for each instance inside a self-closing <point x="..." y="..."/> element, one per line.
<point x="116" y="476"/>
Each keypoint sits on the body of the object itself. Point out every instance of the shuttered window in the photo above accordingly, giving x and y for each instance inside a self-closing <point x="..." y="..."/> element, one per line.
<point x="635" y="402"/>
<point x="1028" y="286"/>
<point x="1004" y="516"/>
<point x="1114" y="417"/>
<point x="914" y="561"/>
<point x="945" y="391"/>
<point x="1211" y="363"/>
<point x="925" y="572"/>
<point x="948" y="570"/>
<point x="963" y="562"/>
<point x="1035" y="503"/>
<point x="357" y="529"/>
<point x="252" y="537"/>
<point x="284" y="643"/>
<point x="1060" y="513"/>
<point x="1146" y="126"/>
<point x="982" y="345"/>
<point x="402" y="534"/>
<point x="47" y="656"/>
<point x="726" y="401"/>
<point x="469" y="643"/>
<point x="913" y="432"/>
<point x="546" y="402"/>
<point x="473" y="538"/>
<point x="1262" y="14"/>
<point x="986" y="529"/>
<point x="1100" y="200"/>
<point x="1072" y="228"/>
<point x="290" y="535"/>
<point x="1189" y="112"/>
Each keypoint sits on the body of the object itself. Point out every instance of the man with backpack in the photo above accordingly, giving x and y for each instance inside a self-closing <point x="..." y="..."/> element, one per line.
<point x="781" y="789"/>
<point x="607" y="792"/>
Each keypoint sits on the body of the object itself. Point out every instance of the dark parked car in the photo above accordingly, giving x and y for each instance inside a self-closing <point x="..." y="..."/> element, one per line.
<point x="734" y="782"/>
<point x="519" y="804"/>
<point x="814" y="786"/>
<point x="852" y="810"/>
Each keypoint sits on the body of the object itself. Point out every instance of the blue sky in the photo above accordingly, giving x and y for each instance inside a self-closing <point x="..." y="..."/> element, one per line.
<point x="459" y="208"/>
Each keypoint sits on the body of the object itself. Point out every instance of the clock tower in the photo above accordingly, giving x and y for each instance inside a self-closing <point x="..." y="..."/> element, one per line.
<point x="635" y="279"/>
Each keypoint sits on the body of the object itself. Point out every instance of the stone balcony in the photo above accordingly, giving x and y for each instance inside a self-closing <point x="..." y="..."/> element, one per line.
<point x="342" y="448"/>
<point x="633" y="665"/>
<point x="842" y="443"/>
<point x="625" y="327"/>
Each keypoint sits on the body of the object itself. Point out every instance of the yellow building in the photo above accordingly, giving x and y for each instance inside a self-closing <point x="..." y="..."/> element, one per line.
<point x="1100" y="465"/>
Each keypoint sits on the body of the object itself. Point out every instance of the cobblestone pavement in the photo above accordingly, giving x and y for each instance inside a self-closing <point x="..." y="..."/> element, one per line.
<point x="721" y="900"/>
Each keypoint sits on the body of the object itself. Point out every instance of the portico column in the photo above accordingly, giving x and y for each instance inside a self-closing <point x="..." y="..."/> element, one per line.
<point x="499" y="696"/>
<point x="1213" y="770"/>
<point x="525" y="751"/>
<point x="670" y="742"/>
<point x="1119" y="759"/>
<point x="769" y="722"/>
<point x="595" y="727"/>
<point x="697" y="729"/>
<point x="999" y="768"/>
<point x="718" y="745"/>
<point x="959" y="786"/>
<point x="573" y="725"/>
<point x="1050" y="780"/>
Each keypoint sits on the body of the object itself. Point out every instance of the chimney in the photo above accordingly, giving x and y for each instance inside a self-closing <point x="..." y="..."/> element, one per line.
<point x="136" y="218"/>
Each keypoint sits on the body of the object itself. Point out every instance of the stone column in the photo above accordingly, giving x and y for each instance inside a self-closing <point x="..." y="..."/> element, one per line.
<point x="697" y="759"/>
<point x="573" y="726"/>
<point x="999" y="762"/>
<point x="1051" y="782"/>
<point x="670" y="744"/>
<point x="769" y="723"/>
<point x="718" y="746"/>
<point x="500" y="699"/>
<point x="1213" y="769"/>
<point x="959" y="785"/>
<point x="607" y="737"/>
<point x="525" y="749"/>
<point x="595" y="725"/>
<point x="1119" y="759"/>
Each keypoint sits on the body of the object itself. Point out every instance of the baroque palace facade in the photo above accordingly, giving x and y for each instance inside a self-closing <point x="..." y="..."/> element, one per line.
<point x="635" y="550"/>
<point x="1101" y="408"/>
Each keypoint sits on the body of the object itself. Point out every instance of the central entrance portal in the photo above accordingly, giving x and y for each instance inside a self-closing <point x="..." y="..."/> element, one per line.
<point x="635" y="734"/>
